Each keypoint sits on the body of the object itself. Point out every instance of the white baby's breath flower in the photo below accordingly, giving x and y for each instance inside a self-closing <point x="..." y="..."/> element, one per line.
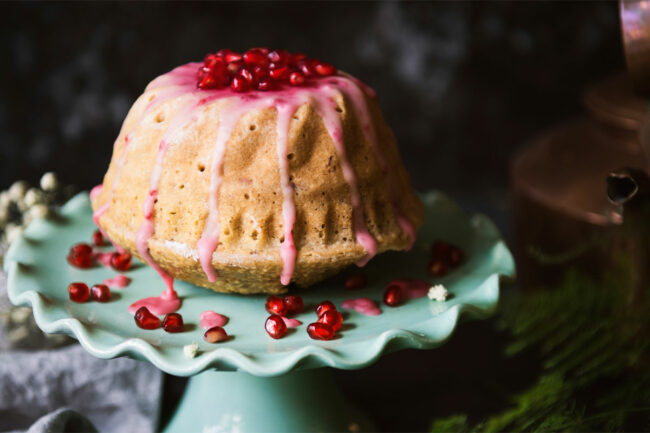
<point x="49" y="182"/>
<point x="191" y="350"/>
<point x="438" y="293"/>
<point x="17" y="191"/>
<point x="33" y="196"/>
<point x="38" y="211"/>
<point x="5" y="201"/>
<point x="12" y="232"/>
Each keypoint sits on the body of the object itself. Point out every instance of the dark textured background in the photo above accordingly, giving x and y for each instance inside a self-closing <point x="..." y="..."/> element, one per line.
<point x="462" y="84"/>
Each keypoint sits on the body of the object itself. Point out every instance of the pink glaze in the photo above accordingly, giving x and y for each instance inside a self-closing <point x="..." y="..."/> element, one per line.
<point x="288" y="248"/>
<point x="182" y="82"/>
<point x="118" y="282"/>
<point x="104" y="259"/>
<point x="291" y="323"/>
<point x="332" y="121"/>
<point x="167" y="302"/>
<point x="354" y="91"/>
<point x="412" y="287"/>
<point x="209" y="319"/>
<point x="362" y="305"/>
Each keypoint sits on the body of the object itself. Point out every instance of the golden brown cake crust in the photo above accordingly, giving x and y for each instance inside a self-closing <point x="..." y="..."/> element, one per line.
<point x="247" y="258"/>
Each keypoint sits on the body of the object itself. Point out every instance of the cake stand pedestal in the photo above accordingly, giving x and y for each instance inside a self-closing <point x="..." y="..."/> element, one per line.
<point x="252" y="382"/>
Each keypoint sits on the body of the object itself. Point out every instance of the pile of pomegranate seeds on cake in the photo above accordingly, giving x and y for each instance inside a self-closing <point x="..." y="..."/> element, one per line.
<point x="259" y="69"/>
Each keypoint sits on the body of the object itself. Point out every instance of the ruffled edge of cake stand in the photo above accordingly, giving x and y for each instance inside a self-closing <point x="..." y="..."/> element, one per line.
<point x="428" y="334"/>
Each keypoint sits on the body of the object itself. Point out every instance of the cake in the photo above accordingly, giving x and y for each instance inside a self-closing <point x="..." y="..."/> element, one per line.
<point x="247" y="172"/>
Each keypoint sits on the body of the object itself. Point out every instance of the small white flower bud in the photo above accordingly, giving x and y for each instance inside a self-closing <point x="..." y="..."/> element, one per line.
<point x="38" y="211"/>
<point x="191" y="350"/>
<point x="5" y="201"/>
<point x="33" y="196"/>
<point x="17" y="191"/>
<point x="49" y="182"/>
<point x="13" y="232"/>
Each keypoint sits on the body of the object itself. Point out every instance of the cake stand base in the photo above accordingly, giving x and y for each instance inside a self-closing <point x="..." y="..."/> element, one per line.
<point x="300" y="401"/>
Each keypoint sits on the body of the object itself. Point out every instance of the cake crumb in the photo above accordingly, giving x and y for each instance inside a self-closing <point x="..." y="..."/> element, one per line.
<point x="191" y="350"/>
<point x="438" y="293"/>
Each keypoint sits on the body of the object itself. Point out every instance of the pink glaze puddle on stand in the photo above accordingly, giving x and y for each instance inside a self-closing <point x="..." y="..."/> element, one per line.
<point x="166" y="303"/>
<point x="209" y="319"/>
<point x="362" y="305"/>
<point x="118" y="282"/>
<point x="103" y="259"/>
<point x="291" y="323"/>
<point x="182" y="82"/>
<point x="412" y="288"/>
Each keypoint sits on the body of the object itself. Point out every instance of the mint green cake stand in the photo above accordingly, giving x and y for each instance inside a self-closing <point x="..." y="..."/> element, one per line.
<point x="252" y="382"/>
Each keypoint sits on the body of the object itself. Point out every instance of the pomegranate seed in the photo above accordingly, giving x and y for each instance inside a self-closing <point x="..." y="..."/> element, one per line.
<point x="393" y="296"/>
<point x="207" y="82"/>
<point x="275" y="305"/>
<point x="256" y="57"/>
<point x="98" y="239"/>
<point x="275" y="326"/>
<point x="297" y="57"/>
<point x="320" y="331"/>
<point x="455" y="256"/>
<point x="307" y="68"/>
<point x="279" y="56"/>
<point x="296" y="79"/>
<point x="246" y="74"/>
<point x="239" y="84"/>
<point x="280" y="74"/>
<point x="331" y="318"/>
<point x="121" y="261"/>
<point x="265" y="84"/>
<point x="324" y="69"/>
<point x="294" y="304"/>
<point x="80" y="255"/>
<point x="233" y="67"/>
<point x="323" y="307"/>
<point x="215" y="335"/>
<point x="259" y="73"/>
<point x="356" y="281"/>
<point x="173" y="322"/>
<point x="78" y="292"/>
<point x="230" y="56"/>
<point x="100" y="293"/>
<point x="437" y="268"/>
<point x="440" y="249"/>
<point x="145" y="320"/>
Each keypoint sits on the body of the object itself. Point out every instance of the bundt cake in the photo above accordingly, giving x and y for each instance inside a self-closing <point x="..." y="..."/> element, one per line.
<point x="260" y="169"/>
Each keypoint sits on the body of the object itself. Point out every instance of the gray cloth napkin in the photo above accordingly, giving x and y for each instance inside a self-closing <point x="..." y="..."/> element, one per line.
<point x="50" y="389"/>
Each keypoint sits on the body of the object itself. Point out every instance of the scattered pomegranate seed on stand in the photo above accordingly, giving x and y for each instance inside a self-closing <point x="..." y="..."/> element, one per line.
<point x="275" y="326"/>
<point x="294" y="304"/>
<point x="145" y="319"/>
<point x="275" y="305"/>
<point x="355" y="281"/>
<point x="320" y="331"/>
<point x="331" y="318"/>
<point x="215" y="335"/>
<point x="393" y="295"/>
<point x="80" y="256"/>
<point x="444" y="256"/>
<point x="98" y="239"/>
<point x="323" y="307"/>
<point x="173" y="322"/>
<point x="121" y="261"/>
<point x="100" y="293"/>
<point x="78" y="292"/>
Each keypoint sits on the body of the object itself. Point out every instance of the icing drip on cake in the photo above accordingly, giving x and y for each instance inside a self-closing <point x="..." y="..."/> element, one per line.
<point x="181" y="82"/>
